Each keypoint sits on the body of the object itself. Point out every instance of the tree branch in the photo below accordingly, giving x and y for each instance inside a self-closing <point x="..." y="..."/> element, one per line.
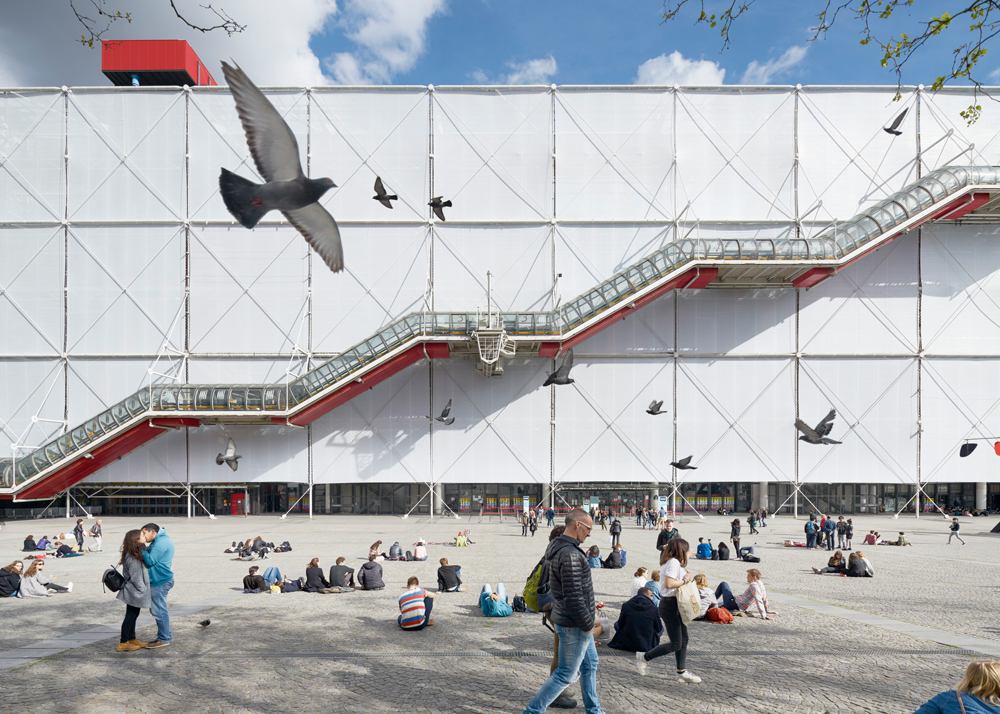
<point x="95" y="32"/>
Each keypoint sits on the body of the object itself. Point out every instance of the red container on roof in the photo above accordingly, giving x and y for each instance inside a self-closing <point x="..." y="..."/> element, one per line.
<point x="155" y="62"/>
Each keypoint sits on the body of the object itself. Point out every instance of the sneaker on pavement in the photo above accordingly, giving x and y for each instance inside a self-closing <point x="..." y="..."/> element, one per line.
<point x="156" y="643"/>
<point x="640" y="663"/>
<point x="689" y="678"/>
<point x="564" y="701"/>
<point x="128" y="647"/>
<point x="69" y="587"/>
<point x="816" y="570"/>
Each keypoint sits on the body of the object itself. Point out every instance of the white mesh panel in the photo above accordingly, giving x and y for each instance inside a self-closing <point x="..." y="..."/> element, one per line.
<point x="32" y="178"/>
<point x="31" y="286"/>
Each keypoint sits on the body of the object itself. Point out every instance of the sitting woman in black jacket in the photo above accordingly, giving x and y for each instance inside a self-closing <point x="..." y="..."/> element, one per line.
<point x="10" y="579"/>
<point x="835" y="565"/>
<point x="315" y="580"/>
<point x="858" y="566"/>
<point x="29" y="545"/>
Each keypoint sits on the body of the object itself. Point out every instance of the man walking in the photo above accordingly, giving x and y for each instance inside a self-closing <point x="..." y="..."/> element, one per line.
<point x="572" y="615"/>
<point x="96" y="534"/>
<point x="159" y="556"/>
<point x="550" y="516"/>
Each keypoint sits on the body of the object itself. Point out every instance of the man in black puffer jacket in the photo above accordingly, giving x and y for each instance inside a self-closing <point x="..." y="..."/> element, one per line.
<point x="573" y="616"/>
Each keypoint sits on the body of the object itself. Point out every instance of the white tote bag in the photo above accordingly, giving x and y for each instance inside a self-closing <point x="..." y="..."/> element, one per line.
<point x="688" y="602"/>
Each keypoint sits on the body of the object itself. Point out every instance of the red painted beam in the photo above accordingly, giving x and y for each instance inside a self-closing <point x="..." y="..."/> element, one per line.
<point x="811" y="277"/>
<point x="693" y="279"/>
<point x="978" y="199"/>
<point x="433" y="350"/>
<point x="175" y="422"/>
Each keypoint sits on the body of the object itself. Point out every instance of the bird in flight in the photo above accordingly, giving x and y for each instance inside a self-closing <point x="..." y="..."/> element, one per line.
<point x="438" y="205"/>
<point x="381" y="196"/>
<point x="444" y="418"/>
<point x="684" y="464"/>
<point x="819" y="435"/>
<point x="276" y="154"/>
<point x="655" y="407"/>
<point x="894" y="127"/>
<point x="561" y="375"/>
<point x="230" y="457"/>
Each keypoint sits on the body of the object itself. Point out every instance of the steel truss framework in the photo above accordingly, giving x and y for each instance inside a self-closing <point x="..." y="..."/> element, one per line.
<point x="761" y="194"/>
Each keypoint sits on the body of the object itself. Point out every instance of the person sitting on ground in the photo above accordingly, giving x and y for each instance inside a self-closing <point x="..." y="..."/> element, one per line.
<point x="902" y="540"/>
<point x="639" y="627"/>
<point x="461" y="541"/>
<point x="341" y="575"/>
<point x="254" y="583"/>
<point x="654" y="586"/>
<point x="35" y="584"/>
<point x="45" y="544"/>
<point x="594" y="557"/>
<point x="615" y="559"/>
<point x="871" y="538"/>
<point x="450" y="578"/>
<point x="65" y="551"/>
<point x="977" y="693"/>
<point x="722" y="551"/>
<point x="315" y="580"/>
<point x="755" y="595"/>
<point x="858" y="566"/>
<point x="10" y="579"/>
<point x="415" y="606"/>
<point x="836" y="565"/>
<point x="704" y="550"/>
<point x="420" y="549"/>
<point x="396" y="551"/>
<point x="370" y="575"/>
<point x="706" y="596"/>
<point x="494" y="604"/>
<point x="30" y="546"/>
<point x="639" y="580"/>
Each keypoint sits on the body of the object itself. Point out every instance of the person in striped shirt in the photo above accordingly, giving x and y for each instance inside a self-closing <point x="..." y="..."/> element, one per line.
<point x="415" y="606"/>
<point x="755" y="595"/>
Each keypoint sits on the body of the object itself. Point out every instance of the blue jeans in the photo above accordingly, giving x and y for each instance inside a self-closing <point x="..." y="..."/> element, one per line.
<point x="811" y="540"/>
<point x="551" y="520"/>
<point x="577" y="660"/>
<point x="271" y="575"/>
<point x="726" y="593"/>
<point x="746" y="549"/>
<point x="829" y="541"/>
<point x="159" y="610"/>
<point x="501" y="591"/>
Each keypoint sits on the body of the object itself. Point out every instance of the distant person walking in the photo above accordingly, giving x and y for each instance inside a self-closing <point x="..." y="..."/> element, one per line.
<point x="550" y="516"/>
<point x="954" y="531"/>
<point x="616" y="532"/>
<point x="159" y="558"/>
<point x="572" y="615"/>
<point x="79" y="535"/>
<point x="98" y="535"/>
<point x="136" y="594"/>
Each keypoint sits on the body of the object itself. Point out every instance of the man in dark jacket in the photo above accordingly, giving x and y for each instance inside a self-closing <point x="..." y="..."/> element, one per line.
<point x="572" y="615"/>
<point x="341" y="575"/>
<point x="666" y="534"/>
<point x="616" y="532"/>
<point x="829" y="528"/>
<point x="639" y="626"/>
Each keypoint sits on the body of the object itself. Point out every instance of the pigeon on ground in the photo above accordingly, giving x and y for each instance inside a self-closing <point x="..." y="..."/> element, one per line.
<point x="438" y="205"/>
<point x="230" y="457"/>
<point x="894" y="127"/>
<point x="684" y="464"/>
<point x="561" y="375"/>
<point x="819" y="434"/>
<point x="444" y="418"/>
<point x="205" y="623"/>
<point x="381" y="196"/>
<point x="276" y="154"/>
<point x="655" y="407"/>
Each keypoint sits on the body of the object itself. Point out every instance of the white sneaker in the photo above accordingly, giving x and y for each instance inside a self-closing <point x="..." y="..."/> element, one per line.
<point x="640" y="663"/>
<point x="69" y="587"/>
<point x="689" y="678"/>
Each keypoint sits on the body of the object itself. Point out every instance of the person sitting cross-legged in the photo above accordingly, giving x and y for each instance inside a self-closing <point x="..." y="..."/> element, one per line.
<point x="415" y="606"/>
<point x="494" y="604"/>
<point x="341" y="575"/>
<point x="449" y="578"/>
<point x="639" y="626"/>
<point x="755" y="595"/>
<point x="704" y="550"/>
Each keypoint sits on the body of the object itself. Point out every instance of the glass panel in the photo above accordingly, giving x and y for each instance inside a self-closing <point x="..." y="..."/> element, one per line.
<point x="238" y="398"/>
<point x="52" y="452"/>
<point x="134" y="405"/>
<point x="185" y="398"/>
<point x="203" y="398"/>
<point x="66" y="444"/>
<point x="220" y="398"/>
<point x="255" y="398"/>
<point x="168" y="399"/>
<point x="107" y="421"/>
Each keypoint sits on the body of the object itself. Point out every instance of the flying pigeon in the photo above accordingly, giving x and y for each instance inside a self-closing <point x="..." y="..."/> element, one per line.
<point x="381" y="196"/>
<point x="654" y="408"/>
<point x="438" y="205"/>
<point x="230" y="457"/>
<point x="205" y="623"/>
<point x="894" y="127"/>
<point x="684" y="464"/>
<point x="444" y="418"/>
<point x="561" y="375"/>
<point x="276" y="154"/>
<point x="819" y="434"/>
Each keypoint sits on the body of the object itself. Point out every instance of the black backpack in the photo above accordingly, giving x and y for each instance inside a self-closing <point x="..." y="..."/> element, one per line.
<point x="518" y="604"/>
<point x="113" y="580"/>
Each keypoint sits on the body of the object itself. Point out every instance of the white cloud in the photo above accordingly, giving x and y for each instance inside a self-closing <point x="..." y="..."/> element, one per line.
<point x="390" y="35"/>
<point x="758" y="73"/>
<point x="536" y="71"/>
<point x="674" y="69"/>
<point x="994" y="75"/>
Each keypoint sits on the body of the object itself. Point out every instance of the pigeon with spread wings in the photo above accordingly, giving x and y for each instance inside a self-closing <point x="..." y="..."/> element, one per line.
<point x="230" y="457"/>
<point x="655" y="408"/>
<point x="561" y="375"/>
<point x="444" y="418"/>
<point x="819" y="435"/>
<point x="276" y="154"/>
<point x="894" y="127"/>
<point x="381" y="195"/>
<point x="684" y="464"/>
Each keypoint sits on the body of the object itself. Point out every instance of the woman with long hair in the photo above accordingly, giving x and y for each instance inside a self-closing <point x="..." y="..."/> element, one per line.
<point x="977" y="693"/>
<point x="136" y="593"/>
<point x="315" y="580"/>
<point x="673" y="561"/>
<point x="734" y="536"/>
<point x="836" y="565"/>
<point x="35" y="584"/>
<point x="10" y="579"/>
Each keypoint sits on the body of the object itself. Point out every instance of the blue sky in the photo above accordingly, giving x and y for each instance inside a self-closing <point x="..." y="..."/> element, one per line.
<point x="312" y="42"/>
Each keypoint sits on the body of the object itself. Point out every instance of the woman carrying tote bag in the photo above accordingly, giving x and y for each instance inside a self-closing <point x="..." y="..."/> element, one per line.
<point x="136" y="593"/>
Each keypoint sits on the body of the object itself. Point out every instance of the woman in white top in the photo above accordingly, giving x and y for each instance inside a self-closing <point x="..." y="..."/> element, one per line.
<point x="639" y="581"/>
<point x="673" y="559"/>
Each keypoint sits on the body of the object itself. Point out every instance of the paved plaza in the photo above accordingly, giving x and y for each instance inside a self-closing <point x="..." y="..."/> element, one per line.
<point x="838" y="644"/>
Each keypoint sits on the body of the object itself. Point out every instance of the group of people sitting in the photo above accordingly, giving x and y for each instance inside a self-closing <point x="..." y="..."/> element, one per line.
<point x="616" y="558"/>
<point x="315" y="581"/>
<point x="706" y="551"/>
<point x="61" y="544"/>
<point x="396" y="551"/>
<point x="16" y="582"/>
<point x="875" y="538"/>
<point x="856" y="566"/>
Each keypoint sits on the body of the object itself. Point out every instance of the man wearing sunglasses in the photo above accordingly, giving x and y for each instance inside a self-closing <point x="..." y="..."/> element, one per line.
<point x="572" y="615"/>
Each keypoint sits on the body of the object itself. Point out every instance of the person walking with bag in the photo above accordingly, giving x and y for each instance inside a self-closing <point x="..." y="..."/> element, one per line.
<point x="98" y="535"/>
<point x="159" y="557"/>
<point x="572" y="615"/>
<point x="954" y="532"/>
<point x="673" y="561"/>
<point x="136" y="593"/>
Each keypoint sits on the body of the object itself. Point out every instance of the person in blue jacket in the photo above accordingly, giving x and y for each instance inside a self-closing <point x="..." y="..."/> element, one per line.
<point x="977" y="693"/>
<point x="639" y="626"/>
<point x="829" y="528"/>
<point x="594" y="557"/>
<point x="494" y="604"/>
<point x="159" y="557"/>
<point x="704" y="550"/>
